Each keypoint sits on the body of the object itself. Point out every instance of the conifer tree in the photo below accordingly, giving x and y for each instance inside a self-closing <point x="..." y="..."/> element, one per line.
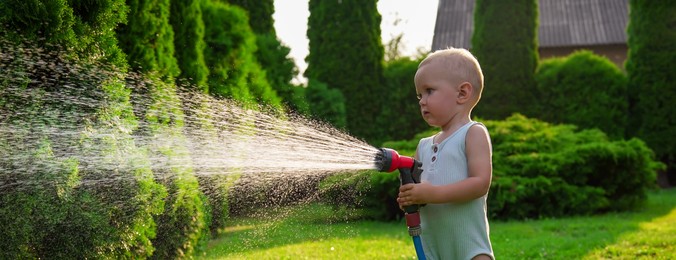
<point x="505" y="43"/>
<point x="652" y="71"/>
<point x="346" y="53"/>
<point x="188" y="25"/>
<point x="148" y="40"/>
<point x="64" y="51"/>
<point x="231" y="46"/>
<point x="272" y="54"/>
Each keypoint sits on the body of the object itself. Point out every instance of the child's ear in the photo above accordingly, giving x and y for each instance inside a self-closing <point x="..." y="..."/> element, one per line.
<point x="465" y="91"/>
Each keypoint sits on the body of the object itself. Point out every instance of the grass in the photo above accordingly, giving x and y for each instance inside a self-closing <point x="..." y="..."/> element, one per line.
<point x="316" y="232"/>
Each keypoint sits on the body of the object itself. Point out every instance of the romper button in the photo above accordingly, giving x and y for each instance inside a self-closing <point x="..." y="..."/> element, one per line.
<point x="435" y="149"/>
<point x="434" y="158"/>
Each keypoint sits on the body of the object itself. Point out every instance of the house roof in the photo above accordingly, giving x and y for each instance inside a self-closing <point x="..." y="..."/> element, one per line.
<point x="562" y="23"/>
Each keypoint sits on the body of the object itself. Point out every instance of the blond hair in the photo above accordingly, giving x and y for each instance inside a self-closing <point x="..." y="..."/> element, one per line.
<point x="462" y="67"/>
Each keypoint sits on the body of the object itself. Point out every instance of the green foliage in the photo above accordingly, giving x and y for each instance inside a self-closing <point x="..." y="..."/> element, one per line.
<point x="280" y="71"/>
<point x="149" y="42"/>
<point x="148" y="39"/>
<point x="49" y="20"/>
<point x="62" y="215"/>
<point x="260" y="14"/>
<point x="651" y="72"/>
<point x="188" y="26"/>
<point x="272" y="55"/>
<point x="182" y="228"/>
<point x="83" y="28"/>
<point x="542" y="170"/>
<point x="52" y="209"/>
<point x="326" y="104"/>
<point x="346" y="53"/>
<point x="505" y="43"/>
<point x="400" y="117"/>
<point x="216" y="188"/>
<point x="583" y="89"/>
<point x="231" y="45"/>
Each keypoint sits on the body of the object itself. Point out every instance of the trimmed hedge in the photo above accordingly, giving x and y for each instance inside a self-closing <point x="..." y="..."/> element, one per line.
<point x="543" y="170"/>
<point x="74" y="184"/>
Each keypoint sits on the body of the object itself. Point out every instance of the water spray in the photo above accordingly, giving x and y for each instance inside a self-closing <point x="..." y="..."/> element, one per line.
<point x="410" y="169"/>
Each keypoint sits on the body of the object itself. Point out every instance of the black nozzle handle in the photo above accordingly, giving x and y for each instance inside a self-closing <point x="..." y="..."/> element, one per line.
<point x="411" y="175"/>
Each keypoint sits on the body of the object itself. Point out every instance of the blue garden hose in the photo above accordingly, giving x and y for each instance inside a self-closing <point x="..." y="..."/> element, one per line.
<point x="418" y="247"/>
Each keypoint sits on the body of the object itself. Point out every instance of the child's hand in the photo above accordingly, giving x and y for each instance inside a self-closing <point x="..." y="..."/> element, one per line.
<point x="411" y="194"/>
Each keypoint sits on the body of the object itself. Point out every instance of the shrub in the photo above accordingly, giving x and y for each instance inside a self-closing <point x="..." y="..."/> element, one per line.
<point x="583" y="89"/>
<point x="75" y="179"/>
<point x="400" y="116"/>
<point x="326" y="104"/>
<point x="542" y="170"/>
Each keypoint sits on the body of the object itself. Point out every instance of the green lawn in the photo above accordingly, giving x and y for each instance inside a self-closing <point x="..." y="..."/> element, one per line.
<point x="315" y="232"/>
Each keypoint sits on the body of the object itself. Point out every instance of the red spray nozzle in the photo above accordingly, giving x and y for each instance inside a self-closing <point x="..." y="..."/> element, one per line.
<point x="388" y="160"/>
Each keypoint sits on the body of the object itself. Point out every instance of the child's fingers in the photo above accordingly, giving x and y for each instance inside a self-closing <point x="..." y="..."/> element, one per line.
<point x="405" y="187"/>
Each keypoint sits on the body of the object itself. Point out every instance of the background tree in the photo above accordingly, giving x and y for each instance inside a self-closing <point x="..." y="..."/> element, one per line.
<point x="401" y="114"/>
<point x="505" y="43"/>
<point x="188" y="26"/>
<point x="651" y="70"/>
<point x="147" y="38"/>
<point x="231" y="45"/>
<point x="273" y="55"/>
<point x="346" y="53"/>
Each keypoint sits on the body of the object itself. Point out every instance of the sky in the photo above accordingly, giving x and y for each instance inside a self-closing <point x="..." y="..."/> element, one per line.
<point x="414" y="19"/>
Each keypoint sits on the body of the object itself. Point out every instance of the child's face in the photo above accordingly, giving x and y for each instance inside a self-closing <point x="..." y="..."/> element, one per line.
<point x="437" y="94"/>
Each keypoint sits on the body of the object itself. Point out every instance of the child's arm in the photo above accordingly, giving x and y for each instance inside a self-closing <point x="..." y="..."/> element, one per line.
<point x="480" y="168"/>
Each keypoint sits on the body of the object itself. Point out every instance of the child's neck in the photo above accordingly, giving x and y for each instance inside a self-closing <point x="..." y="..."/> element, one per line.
<point x="450" y="128"/>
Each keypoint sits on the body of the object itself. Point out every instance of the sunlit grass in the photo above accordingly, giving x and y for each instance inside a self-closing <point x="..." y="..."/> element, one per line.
<point x="315" y="232"/>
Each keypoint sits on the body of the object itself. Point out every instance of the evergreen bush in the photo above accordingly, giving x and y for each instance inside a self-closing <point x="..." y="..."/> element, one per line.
<point x="148" y="40"/>
<point x="326" y="104"/>
<point x="583" y="89"/>
<point x="544" y="170"/>
<point x="400" y="116"/>
<point x="74" y="183"/>
<point x="58" y="205"/>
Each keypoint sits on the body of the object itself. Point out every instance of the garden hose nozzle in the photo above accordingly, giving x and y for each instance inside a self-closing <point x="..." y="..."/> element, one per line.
<point x="410" y="169"/>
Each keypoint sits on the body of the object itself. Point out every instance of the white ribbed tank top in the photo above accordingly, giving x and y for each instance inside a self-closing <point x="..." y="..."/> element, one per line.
<point x="451" y="230"/>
